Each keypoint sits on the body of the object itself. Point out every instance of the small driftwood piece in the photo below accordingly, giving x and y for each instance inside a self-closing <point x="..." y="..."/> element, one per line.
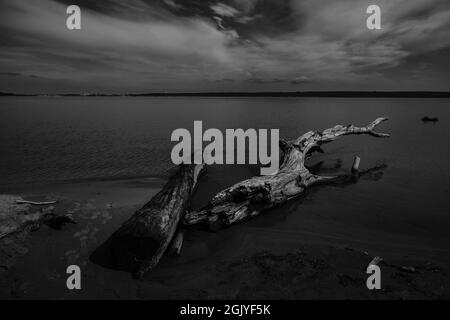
<point x="375" y="261"/>
<point x="141" y="241"/>
<point x="36" y="203"/>
<point x="251" y="197"/>
<point x="177" y="243"/>
<point x="355" y="166"/>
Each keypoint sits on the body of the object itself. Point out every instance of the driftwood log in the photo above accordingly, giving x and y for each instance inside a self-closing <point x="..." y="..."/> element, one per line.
<point x="141" y="241"/>
<point x="36" y="203"/>
<point x="144" y="238"/>
<point x="255" y="195"/>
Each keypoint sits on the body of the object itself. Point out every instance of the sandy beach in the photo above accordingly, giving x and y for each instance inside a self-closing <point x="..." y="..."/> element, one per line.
<point x="257" y="259"/>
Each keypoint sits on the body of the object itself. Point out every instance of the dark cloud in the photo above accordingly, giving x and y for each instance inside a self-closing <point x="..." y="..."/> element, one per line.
<point x="145" y="45"/>
<point x="225" y="80"/>
<point x="263" y="80"/>
<point x="17" y="74"/>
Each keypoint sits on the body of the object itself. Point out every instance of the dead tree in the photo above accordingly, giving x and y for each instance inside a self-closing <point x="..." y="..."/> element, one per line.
<point x="141" y="241"/>
<point x="144" y="238"/>
<point x="251" y="197"/>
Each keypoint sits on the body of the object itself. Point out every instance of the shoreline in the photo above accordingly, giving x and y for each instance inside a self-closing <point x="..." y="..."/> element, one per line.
<point x="282" y="264"/>
<point x="28" y="187"/>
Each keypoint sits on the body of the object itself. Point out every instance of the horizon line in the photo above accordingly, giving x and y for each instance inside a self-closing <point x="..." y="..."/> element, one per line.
<point x="343" y="93"/>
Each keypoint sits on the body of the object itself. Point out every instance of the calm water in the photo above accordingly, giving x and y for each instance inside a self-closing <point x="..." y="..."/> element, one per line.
<point x="405" y="213"/>
<point x="49" y="139"/>
<point x="58" y="139"/>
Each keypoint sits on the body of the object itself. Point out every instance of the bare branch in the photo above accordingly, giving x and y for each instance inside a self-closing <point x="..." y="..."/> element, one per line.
<point x="314" y="138"/>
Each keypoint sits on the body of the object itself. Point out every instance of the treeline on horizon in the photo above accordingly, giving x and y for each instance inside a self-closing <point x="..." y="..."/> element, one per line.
<point x="331" y="94"/>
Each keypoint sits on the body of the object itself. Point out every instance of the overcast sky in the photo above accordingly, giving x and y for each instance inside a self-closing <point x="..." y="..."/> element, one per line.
<point x="229" y="45"/>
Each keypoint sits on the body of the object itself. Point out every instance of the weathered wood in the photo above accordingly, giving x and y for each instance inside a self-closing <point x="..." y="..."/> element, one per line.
<point x="253" y="196"/>
<point x="141" y="241"/>
<point x="375" y="261"/>
<point x="177" y="243"/>
<point x="355" y="166"/>
<point x="36" y="203"/>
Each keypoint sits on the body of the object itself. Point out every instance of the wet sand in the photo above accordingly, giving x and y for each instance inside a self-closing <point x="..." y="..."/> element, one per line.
<point x="323" y="255"/>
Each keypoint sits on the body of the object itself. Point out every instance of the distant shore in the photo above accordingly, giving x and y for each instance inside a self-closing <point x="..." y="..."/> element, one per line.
<point x="317" y="94"/>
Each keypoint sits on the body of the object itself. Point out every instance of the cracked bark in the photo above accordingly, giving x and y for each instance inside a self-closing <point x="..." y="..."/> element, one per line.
<point x="141" y="241"/>
<point x="250" y="197"/>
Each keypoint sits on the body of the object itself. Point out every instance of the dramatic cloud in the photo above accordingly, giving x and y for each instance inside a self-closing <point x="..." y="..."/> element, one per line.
<point x="173" y="4"/>
<point x="174" y="45"/>
<point x="107" y="46"/>
<point x="224" y="10"/>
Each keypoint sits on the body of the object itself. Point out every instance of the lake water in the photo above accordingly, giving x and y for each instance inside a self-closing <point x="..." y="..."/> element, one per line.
<point x="59" y="139"/>
<point x="55" y="139"/>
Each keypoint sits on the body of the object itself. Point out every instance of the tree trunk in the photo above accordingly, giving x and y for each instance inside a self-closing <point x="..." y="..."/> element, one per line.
<point x="141" y="241"/>
<point x="251" y="197"/>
